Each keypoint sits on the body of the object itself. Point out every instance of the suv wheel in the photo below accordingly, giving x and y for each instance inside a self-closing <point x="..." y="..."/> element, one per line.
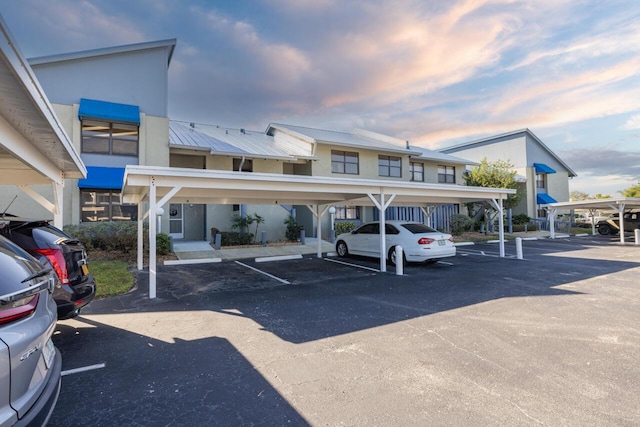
<point x="604" y="230"/>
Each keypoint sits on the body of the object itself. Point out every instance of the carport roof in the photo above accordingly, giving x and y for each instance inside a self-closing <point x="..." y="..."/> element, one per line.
<point x="34" y="148"/>
<point x="226" y="187"/>
<point x="614" y="203"/>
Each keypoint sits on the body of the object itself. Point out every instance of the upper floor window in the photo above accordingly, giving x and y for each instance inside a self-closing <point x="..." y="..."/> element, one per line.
<point x="105" y="205"/>
<point x="417" y="172"/>
<point x="100" y="137"/>
<point x="344" y="162"/>
<point x="446" y="174"/>
<point x="390" y="166"/>
<point x="541" y="180"/>
<point x="247" y="165"/>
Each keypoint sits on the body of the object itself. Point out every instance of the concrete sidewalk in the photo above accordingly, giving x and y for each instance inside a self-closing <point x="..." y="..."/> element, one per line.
<point x="190" y="250"/>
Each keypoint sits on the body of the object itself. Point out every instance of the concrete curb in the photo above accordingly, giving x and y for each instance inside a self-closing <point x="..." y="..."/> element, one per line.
<point x="192" y="261"/>
<point x="277" y="258"/>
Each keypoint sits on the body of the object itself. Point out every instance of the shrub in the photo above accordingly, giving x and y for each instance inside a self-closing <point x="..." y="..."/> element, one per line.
<point x="460" y="223"/>
<point x="293" y="229"/>
<point x="163" y="244"/>
<point x="235" y="238"/>
<point x="520" y="219"/>
<point x="118" y="236"/>
<point x="344" y="227"/>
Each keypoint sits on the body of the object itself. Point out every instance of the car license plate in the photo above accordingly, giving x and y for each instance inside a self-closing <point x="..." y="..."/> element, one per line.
<point x="442" y="242"/>
<point x="85" y="269"/>
<point x="48" y="353"/>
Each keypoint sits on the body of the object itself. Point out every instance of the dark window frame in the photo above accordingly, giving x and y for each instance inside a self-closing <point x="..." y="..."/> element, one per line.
<point x="389" y="164"/>
<point x="108" y="206"/>
<point x="446" y="174"/>
<point x="112" y="134"/>
<point x="342" y="162"/>
<point x="412" y="171"/>
<point x="541" y="180"/>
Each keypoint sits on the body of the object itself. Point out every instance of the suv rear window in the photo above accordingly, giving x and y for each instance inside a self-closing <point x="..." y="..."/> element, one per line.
<point x="419" y="228"/>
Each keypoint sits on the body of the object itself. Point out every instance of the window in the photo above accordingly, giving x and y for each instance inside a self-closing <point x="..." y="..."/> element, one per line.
<point x="247" y="165"/>
<point x="105" y="205"/>
<point x="541" y="180"/>
<point x="390" y="166"/>
<point x="344" y="162"/>
<point x="542" y="213"/>
<point x="347" y="212"/>
<point x="417" y="172"/>
<point x="100" y="137"/>
<point x="446" y="174"/>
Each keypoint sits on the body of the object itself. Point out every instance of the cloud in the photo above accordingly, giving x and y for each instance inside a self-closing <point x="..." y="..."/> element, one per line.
<point x="633" y="122"/>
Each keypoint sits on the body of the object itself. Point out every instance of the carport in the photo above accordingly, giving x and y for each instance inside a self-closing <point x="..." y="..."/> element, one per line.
<point x="617" y="204"/>
<point x="157" y="186"/>
<point x="34" y="149"/>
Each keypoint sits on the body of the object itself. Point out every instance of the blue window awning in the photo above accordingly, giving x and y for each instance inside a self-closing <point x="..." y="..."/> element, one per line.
<point x="109" y="111"/>
<point x="544" y="199"/>
<point x="102" y="178"/>
<point x="542" y="168"/>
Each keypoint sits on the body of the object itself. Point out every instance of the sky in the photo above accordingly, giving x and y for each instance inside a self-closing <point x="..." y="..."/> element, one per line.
<point x="433" y="72"/>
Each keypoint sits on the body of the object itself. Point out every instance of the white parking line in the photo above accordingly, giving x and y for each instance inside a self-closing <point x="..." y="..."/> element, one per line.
<point x="352" y="265"/>
<point x="264" y="272"/>
<point x="83" y="369"/>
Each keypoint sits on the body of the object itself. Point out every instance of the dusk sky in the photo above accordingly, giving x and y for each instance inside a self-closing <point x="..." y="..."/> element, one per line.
<point x="435" y="73"/>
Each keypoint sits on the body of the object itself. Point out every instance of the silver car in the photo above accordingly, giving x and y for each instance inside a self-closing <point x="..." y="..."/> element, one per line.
<point x="30" y="364"/>
<point x="419" y="242"/>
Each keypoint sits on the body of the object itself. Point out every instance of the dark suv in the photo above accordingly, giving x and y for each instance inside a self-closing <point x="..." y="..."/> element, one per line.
<point x="54" y="248"/>
<point x="611" y="225"/>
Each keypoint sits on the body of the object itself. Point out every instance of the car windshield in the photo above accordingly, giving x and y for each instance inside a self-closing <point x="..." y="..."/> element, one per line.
<point x="419" y="228"/>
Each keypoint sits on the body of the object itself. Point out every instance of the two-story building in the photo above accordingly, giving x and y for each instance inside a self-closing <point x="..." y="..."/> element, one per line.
<point x="544" y="176"/>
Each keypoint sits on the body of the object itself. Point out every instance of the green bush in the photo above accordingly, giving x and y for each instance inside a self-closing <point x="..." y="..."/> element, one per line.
<point x="163" y="244"/>
<point x="520" y="219"/>
<point x="520" y="227"/>
<point x="119" y="236"/>
<point x="293" y="229"/>
<point x="235" y="238"/>
<point x="460" y="223"/>
<point x="344" y="227"/>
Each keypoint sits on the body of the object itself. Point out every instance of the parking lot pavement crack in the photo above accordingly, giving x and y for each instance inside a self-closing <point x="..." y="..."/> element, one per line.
<point x="509" y="401"/>
<point x="454" y="345"/>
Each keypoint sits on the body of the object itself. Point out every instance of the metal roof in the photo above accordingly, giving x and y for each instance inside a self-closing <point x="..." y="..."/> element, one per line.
<point x="91" y="53"/>
<point x="227" y="141"/>
<point x="356" y="139"/>
<point x="33" y="143"/>
<point x="428" y="154"/>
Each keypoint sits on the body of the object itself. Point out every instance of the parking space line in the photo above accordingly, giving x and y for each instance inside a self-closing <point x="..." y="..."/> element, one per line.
<point x="264" y="272"/>
<point x="83" y="369"/>
<point x="351" y="265"/>
<point x="483" y="253"/>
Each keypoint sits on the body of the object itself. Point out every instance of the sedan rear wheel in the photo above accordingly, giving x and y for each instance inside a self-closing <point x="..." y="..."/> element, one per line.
<point x="342" y="249"/>
<point x="392" y="257"/>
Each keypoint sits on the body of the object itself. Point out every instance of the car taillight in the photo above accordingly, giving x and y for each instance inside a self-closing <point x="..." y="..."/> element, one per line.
<point x="18" y="309"/>
<point x="56" y="258"/>
<point x="451" y="239"/>
<point x="425" y="241"/>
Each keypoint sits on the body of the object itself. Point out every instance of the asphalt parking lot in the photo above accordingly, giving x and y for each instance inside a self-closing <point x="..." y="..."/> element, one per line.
<point x="552" y="339"/>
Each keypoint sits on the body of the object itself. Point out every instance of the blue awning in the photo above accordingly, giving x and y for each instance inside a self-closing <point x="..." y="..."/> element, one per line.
<point x="544" y="199"/>
<point x="102" y="178"/>
<point x="542" y="168"/>
<point x="109" y="111"/>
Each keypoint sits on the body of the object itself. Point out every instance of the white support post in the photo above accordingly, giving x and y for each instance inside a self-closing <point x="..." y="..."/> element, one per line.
<point x="382" y="206"/>
<point x="497" y="203"/>
<point x="319" y="213"/>
<point x="152" y="238"/>
<point x="58" y="189"/>
<point x="552" y="222"/>
<point x="427" y="211"/>
<point x="140" y="236"/>
<point x="592" y="212"/>
<point x="621" y="219"/>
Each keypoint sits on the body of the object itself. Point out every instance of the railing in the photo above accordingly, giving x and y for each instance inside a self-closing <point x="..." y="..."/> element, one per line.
<point x="559" y="226"/>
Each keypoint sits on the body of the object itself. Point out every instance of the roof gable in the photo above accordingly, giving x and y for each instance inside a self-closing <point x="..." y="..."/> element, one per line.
<point x="506" y="136"/>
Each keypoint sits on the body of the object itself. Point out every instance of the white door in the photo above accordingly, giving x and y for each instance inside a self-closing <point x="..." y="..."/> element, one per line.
<point x="176" y="223"/>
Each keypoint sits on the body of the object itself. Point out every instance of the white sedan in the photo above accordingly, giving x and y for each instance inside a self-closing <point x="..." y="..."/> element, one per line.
<point x="419" y="242"/>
